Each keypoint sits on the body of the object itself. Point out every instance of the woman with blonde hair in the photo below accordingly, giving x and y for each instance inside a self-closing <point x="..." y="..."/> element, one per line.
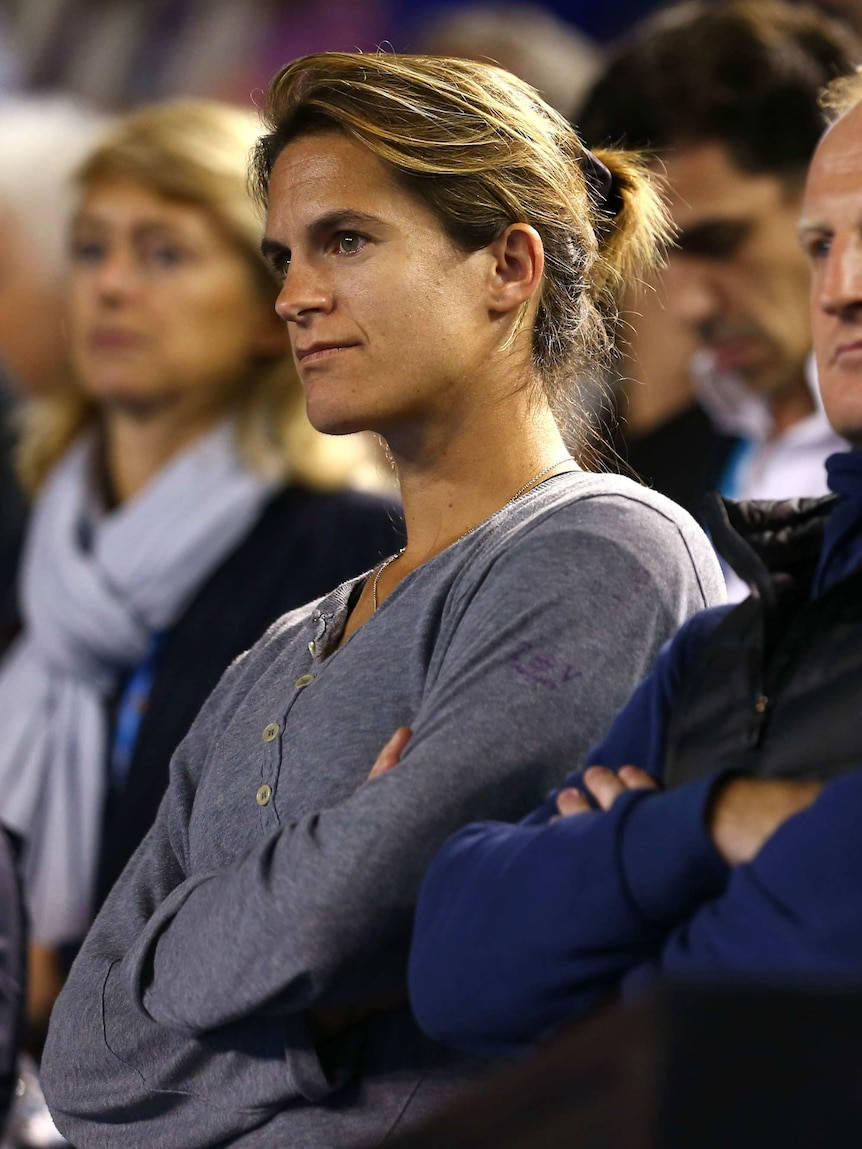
<point x="182" y="501"/>
<point x="450" y="256"/>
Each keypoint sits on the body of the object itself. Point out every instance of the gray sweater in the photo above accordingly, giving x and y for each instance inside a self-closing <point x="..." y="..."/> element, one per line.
<point x="276" y="880"/>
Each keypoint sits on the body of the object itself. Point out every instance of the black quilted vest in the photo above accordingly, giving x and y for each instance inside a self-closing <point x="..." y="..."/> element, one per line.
<point x="777" y="688"/>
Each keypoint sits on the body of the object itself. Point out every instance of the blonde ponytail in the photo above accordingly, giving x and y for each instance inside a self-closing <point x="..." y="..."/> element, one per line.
<point x="634" y="242"/>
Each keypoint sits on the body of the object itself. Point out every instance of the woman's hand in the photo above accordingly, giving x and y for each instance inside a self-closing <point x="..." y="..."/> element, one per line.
<point x="391" y="753"/>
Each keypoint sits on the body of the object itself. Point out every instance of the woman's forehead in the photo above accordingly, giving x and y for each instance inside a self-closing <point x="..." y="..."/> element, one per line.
<point x="328" y="160"/>
<point x="328" y="174"/>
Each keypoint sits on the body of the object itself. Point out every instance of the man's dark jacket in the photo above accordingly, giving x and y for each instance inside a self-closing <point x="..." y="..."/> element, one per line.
<point x="543" y="920"/>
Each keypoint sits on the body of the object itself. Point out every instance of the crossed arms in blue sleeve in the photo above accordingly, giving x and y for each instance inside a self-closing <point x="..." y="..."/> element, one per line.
<point x="520" y="928"/>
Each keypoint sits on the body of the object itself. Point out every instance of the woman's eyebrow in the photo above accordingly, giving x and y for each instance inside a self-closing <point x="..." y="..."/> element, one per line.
<point x="342" y="217"/>
<point x="274" y="251"/>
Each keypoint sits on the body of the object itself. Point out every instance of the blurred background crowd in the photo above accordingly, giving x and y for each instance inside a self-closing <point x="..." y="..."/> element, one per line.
<point x="106" y="188"/>
<point x="68" y="66"/>
<point x="120" y="53"/>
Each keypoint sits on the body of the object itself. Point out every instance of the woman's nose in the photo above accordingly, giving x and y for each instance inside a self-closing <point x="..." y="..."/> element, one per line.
<point x="115" y="274"/>
<point x="304" y="291"/>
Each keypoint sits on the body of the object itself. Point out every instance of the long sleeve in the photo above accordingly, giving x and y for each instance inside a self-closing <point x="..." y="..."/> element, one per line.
<point x="793" y="912"/>
<point x="187" y="1009"/>
<point x="519" y="928"/>
<point x="638" y="733"/>
<point x="97" y="1093"/>
<point x="509" y="699"/>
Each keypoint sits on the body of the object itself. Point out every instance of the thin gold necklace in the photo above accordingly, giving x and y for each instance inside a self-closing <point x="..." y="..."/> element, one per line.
<point x="520" y="491"/>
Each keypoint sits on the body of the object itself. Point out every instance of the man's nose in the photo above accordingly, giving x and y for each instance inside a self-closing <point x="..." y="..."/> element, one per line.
<point x="304" y="292"/>
<point x="691" y="290"/>
<point x="840" y="286"/>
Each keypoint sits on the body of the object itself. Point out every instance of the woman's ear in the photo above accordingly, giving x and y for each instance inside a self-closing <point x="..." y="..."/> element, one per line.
<point x="518" y="264"/>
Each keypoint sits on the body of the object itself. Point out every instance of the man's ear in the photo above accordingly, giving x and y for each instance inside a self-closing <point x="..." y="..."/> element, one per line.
<point x="518" y="264"/>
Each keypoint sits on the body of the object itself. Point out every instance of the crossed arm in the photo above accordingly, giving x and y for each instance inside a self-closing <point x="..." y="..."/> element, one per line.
<point x="186" y="1020"/>
<point x="520" y="928"/>
<point x="742" y="813"/>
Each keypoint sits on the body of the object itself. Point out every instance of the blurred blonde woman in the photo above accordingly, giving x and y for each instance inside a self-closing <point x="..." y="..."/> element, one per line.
<point x="182" y="500"/>
<point x="450" y="255"/>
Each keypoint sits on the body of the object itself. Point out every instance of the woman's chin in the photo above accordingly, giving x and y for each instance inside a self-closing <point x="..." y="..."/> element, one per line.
<point x="330" y="421"/>
<point x="136" y="401"/>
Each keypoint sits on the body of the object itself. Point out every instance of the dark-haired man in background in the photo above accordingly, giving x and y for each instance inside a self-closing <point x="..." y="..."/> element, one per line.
<point x="726" y="98"/>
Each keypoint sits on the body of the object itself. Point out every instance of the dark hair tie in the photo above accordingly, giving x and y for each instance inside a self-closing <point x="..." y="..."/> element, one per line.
<point x="600" y="182"/>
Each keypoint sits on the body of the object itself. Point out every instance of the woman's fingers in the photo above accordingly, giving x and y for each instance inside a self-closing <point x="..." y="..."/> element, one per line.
<point x="391" y="753"/>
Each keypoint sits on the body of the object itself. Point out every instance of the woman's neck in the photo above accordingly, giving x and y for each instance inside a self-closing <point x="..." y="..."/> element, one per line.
<point x="136" y="448"/>
<point x="448" y="490"/>
<point x="456" y="475"/>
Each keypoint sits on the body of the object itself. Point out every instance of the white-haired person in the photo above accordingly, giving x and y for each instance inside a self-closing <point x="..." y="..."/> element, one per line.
<point x="450" y="255"/>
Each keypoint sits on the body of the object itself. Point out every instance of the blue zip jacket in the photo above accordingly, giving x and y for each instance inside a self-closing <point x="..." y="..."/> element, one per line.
<point x="520" y="928"/>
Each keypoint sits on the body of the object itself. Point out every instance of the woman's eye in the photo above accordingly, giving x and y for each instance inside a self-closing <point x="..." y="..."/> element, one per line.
<point x="165" y="255"/>
<point x="349" y="243"/>
<point x="86" y="250"/>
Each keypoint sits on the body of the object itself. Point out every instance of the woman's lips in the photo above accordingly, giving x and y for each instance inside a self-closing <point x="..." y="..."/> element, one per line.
<point x="113" y="339"/>
<point x="319" y="352"/>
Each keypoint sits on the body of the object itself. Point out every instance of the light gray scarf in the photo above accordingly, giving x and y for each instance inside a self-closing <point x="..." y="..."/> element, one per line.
<point x="94" y="588"/>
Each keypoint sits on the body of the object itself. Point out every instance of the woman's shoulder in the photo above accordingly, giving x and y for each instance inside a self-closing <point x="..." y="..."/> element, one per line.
<point x="262" y="598"/>
<point x="606" y="504"/>
<point x="594" y="492"/>
<point x="586" y="513"/>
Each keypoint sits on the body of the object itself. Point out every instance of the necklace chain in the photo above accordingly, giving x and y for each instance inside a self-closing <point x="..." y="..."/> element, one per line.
<point x="381" y="567"/>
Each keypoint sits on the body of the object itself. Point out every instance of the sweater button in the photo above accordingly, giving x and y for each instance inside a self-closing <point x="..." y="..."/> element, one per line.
<point x="264" y="795"/>
<point x="271" y="732"/>
<point x="303" y="680"/>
